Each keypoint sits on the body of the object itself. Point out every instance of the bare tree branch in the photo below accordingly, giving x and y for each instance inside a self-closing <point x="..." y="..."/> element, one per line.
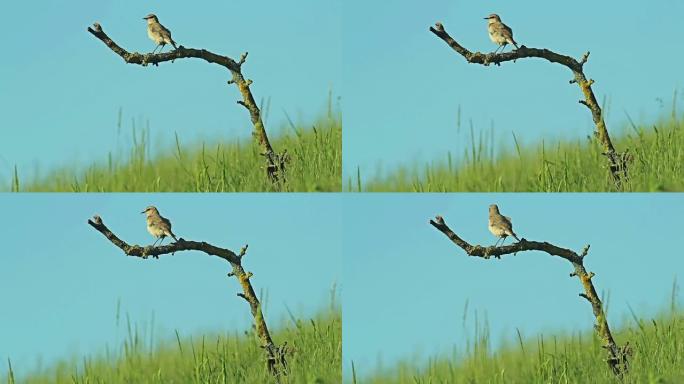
<point x="617" y="162"/>
<point x="617" y="356"/>
<point x="275" y="355"/>
<point x="275" y="162"/>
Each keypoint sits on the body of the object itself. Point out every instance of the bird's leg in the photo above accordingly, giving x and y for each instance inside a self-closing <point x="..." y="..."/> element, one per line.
<point x="497" y="49"/>
<point x="155" y="242"/>
<point x="503" y="241"/>
<point x="162" y="47"/>
<point x="162" y="240"/>
<point x="155" y="48"/>
<point x="497" y="242"/>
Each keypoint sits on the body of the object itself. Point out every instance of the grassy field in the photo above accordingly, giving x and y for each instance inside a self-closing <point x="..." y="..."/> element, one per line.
<point x="657" y="357"/>
<point x="562" y="166"/>
<point x="315" y="165"/>
<point x="218" y="358"/>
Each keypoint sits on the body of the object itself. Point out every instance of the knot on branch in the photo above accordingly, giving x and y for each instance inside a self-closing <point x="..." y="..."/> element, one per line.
<point x="97" y="219"/>
<point x="240" y="294"/>
<point x="97" y="27"/>
<point x="439" y="26"/>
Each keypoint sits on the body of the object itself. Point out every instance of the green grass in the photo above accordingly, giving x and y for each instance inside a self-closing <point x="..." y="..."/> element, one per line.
<point x="657" y="357"/>
<point x="315" y="165"/>
<point x="561" y="166"/>
<point x="218" y="358"/>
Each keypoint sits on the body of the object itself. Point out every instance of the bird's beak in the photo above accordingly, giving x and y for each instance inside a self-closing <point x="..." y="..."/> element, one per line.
<point x="486" y="18"/>
<point x="142" y="212"/>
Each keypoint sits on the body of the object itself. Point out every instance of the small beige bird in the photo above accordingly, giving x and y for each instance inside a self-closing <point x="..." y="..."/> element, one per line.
<point x="158" y="226"/>
<point x="499" y="32"/>
<point x="499" y="225"/>
<point x="158" y="33"/>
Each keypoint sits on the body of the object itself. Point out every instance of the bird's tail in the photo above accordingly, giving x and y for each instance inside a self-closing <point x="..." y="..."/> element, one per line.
<point x="512" y="41"/>
<point x="174" y="236"/>
<point x="176" y="47"/>
<point x="514" y="235"/>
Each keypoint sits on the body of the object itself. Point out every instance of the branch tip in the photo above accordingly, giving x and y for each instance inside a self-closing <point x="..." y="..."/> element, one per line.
<point x="243" y="251"/>
<point x="584" y="59"/>
<point x="243" y="57"/>
<point x="585" y="251"/>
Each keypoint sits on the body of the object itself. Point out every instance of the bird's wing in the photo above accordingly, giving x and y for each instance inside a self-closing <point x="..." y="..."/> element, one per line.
<point x="508" y="31"/>
<point x="165" y="31"/>
<point x="166" y="222"/>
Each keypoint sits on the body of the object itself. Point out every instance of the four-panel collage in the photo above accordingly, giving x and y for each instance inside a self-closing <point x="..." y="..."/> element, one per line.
<point x="180" y="203"/>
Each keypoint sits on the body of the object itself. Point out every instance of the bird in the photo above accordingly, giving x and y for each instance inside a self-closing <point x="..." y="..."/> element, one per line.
<point x="499" y="225"/>
<point x="500" y="33"/>
<point x="158" y="226"/>
<point x="158" y="33"/>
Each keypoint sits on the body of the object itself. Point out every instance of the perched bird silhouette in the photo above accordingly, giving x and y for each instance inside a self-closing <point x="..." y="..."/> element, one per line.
<point x="158" y="33"/>
<point x="499" y="32"/>
<point x="158" y="226"/>
<point x="499" y="225"/>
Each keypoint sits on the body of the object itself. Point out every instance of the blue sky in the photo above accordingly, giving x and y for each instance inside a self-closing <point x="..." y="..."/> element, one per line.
<point x="60" y="280"/>
<point x="406" y="284"/>
<point x="62" y="88"/>
<point x="403" y="86"/>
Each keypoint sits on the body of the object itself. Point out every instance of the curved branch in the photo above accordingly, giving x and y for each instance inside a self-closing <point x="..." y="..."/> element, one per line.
<point x="522" y="245"/>
<point x="617" y="356"/>
<point x="617" y="162"/>
<point x="275" y="162"/>
<point x="275" y="355"/>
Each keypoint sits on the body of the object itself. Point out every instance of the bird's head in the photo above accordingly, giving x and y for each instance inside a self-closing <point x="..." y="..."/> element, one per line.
<point x="492" y="208"/>
<point x="151" y="17"/>
<point x="491" y="18"/>
<point x="151" y="210"/>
